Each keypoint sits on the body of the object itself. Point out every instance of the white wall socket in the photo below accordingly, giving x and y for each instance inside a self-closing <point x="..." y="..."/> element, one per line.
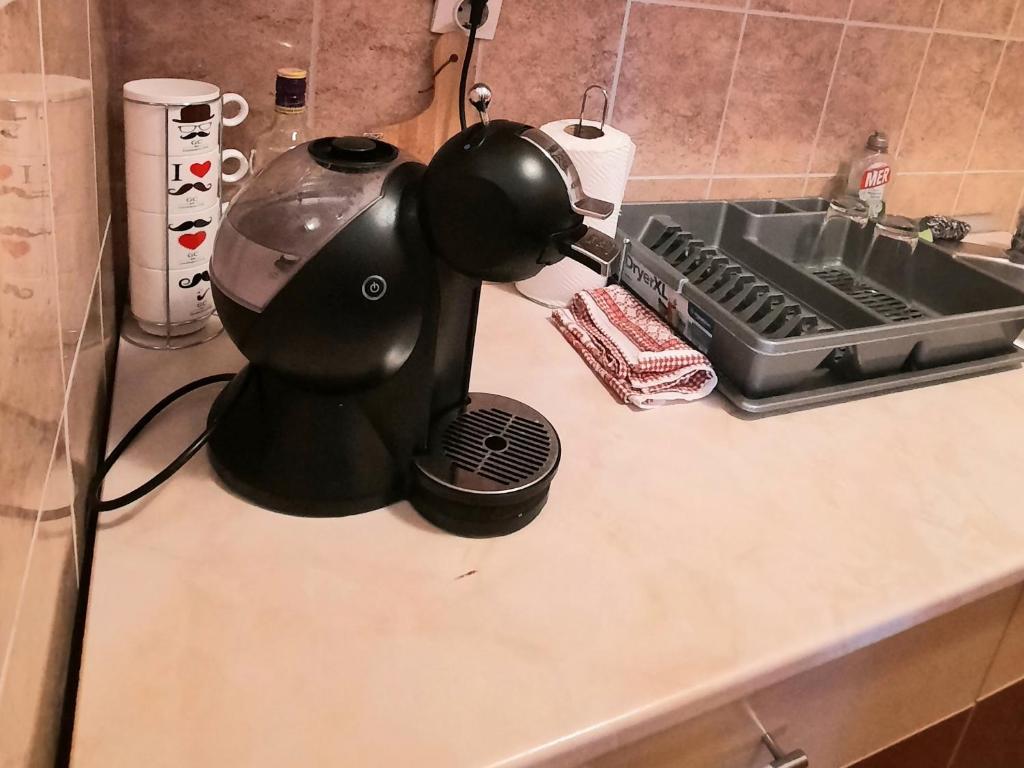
<point x="444" y="18"/>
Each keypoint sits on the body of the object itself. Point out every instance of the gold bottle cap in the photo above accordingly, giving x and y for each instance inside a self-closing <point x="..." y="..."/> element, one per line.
<point x="291" y="73"/>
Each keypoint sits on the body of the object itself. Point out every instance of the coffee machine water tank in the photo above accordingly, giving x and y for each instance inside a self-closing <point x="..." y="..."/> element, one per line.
<point x="313" y="277"/>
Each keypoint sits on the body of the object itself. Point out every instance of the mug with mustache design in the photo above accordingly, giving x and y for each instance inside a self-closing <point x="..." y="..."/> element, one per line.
<point x="182" y="240"/>
<point x="179" y="183"/>
<point x="185" y="226"/>
<point x="196" y="279"/>
<point x="187" y="187"/>
<point x="149" y="296"/>
<point x="168" y="116"/>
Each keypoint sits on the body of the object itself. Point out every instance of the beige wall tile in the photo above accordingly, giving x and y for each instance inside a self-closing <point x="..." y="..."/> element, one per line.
<point x="30" y="702"/>
<point x="997" y="193"/>
<point x="866" y="701"/>
<point x="31" y="386"/>
<point x="923" y="195"/>
<point x="66" y="37"/>
<point x="1001" y="142"/>
<point x="773" y="114"/>
<point x="372" y="63"/>
<point x="664" y="190"/>
<point x="917" y="13"/>
<point x="871" y="91"/>
<point x="991" y="16"/>
<point x="958" y="70"/>
<point x="835" y="9"/>
<point x="736" y="189"/>
<point x="1008" y="665"/>
<point x="238" y="49"/>
<point x="671" y="96"/>
<point x="109" y="316"/>
<point x="545" y="54"/>
<point x="87" y="408"/>
<point x="831" y="186"/>
<point x="102" y="84"/>
<point x="1018" y="24"/>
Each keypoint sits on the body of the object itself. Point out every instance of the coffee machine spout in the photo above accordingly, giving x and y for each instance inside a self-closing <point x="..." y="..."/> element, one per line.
<point x="594" y="250"/>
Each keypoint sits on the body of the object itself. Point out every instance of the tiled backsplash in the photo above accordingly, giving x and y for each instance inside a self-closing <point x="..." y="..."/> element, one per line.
<point x="723" y="97"/>
<point x="56" y="339"/>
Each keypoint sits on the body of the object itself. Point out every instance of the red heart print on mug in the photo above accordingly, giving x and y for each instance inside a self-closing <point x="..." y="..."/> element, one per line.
<point x="17" y="248"/>
<point x="193" y="240"/>
<point x="5" y="172"/>
<point x="200" y="169"/>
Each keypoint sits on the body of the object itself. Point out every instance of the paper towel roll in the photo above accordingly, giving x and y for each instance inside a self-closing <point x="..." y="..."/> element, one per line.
<point x="603" y="165"/>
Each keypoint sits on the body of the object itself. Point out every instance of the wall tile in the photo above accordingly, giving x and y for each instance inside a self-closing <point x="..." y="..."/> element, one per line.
<point x="545" y="54"/>
<point x="664" y="190"/>
<point x="917" y="13"/>
<point x="109" y="315"/>
<point x="736" y="189"/>
<point x="916" y="196"/>
<point x="1001" y="142"/>
<point x="995" y="735"/>
<point x="996" y="193"/>
<point x="930" y="748"/>
<point x="238" y="51"/>
<point x="31" y="385"/>
<point x="871" y="91"/>
<point x="671" y="97"/>
<point x="991" y="16"/>
<point x="87" y="409"/>
<point x="1018" y="24"/>
<point x="30" y="702"/>
<point x="773" y="115"/>
<point x="102" y="85"/>
<point x="958" y="71"/>
<point x="373" y="61"/>
<point x="830" y="186"/>
<point x="834" y="9"/>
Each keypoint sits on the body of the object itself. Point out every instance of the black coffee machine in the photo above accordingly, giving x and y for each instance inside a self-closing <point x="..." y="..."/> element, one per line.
<point x="350" y="278"/>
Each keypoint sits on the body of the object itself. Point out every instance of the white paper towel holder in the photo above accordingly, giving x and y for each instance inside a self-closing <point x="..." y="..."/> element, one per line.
<point x="582" y="131"/>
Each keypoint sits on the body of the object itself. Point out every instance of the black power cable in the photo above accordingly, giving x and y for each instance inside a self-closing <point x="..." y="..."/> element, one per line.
<point x="476" y="17"/>
<point x="163" y="475"/>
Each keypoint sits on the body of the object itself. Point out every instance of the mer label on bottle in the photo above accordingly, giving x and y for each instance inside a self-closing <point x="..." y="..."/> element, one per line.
<point x="873" y="184"/>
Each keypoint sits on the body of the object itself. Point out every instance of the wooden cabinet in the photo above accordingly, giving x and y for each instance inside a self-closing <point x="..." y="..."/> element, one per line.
<point x="849" y="708"/>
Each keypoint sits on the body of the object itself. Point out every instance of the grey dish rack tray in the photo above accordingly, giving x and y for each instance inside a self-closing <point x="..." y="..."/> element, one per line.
<point x="793" y="315"/>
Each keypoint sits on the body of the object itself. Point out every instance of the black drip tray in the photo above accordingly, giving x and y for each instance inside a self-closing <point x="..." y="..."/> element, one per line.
<point x="488" y="467"/>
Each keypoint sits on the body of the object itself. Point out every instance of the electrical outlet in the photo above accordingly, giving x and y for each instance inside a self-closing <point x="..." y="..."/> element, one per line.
<point x="444" y="17"/>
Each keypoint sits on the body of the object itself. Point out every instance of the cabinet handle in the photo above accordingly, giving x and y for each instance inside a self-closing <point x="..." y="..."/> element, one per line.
<point x="782" y="759"/>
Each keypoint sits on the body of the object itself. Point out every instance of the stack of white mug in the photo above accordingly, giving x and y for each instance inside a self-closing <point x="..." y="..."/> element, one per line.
<point x="173" y="160"/>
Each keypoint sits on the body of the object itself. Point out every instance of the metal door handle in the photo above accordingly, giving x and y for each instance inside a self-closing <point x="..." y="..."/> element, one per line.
<point x="781" y="758"/>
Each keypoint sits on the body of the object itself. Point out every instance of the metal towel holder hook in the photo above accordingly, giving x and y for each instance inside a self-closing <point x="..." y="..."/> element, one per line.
<point x="589" y="131"/>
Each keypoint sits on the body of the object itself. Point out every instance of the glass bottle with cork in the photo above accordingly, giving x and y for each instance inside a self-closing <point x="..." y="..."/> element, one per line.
<point x="871" y="174"/>
<point x="290" y="127"/>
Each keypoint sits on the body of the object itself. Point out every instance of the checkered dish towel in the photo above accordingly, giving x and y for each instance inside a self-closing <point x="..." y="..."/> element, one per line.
<point x="631" y="350"/>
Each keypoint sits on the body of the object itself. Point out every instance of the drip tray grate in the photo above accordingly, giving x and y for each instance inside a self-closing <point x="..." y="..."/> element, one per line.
<point x="888" y="306"/>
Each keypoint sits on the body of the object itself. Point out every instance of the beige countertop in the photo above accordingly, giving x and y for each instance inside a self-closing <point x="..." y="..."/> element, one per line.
<point x="685" y="558"/>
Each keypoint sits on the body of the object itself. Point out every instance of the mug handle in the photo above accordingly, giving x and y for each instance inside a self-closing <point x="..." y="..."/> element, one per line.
<point x="243" y="165"/>
<point x="243" y="109"/>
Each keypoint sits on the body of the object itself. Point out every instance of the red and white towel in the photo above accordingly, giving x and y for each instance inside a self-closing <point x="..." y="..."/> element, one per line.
<point x="631" y="350"/>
